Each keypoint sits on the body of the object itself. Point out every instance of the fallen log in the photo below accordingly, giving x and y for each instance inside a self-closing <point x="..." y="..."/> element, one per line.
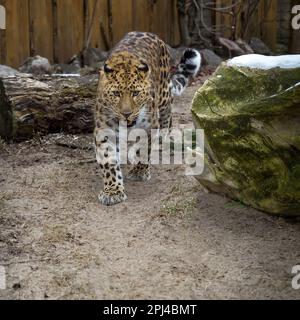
<point x="48" y="104"/>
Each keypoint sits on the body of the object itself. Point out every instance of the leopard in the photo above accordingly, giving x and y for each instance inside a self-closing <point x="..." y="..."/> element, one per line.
<point x="137" y="87"/>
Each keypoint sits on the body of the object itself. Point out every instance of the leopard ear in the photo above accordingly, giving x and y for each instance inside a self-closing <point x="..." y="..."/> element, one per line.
<point x="107" y="68"/>
<point x="143" y="67"/>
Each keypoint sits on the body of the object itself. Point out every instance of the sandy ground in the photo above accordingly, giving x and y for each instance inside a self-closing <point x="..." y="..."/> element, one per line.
<point x="170" y="240"/>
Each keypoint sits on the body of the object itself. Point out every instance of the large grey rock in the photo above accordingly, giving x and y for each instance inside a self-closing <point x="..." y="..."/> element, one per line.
<point x="251" y="119"/>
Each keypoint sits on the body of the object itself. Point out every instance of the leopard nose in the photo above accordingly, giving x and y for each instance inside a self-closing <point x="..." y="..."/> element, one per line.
<point x="126" y="115"/>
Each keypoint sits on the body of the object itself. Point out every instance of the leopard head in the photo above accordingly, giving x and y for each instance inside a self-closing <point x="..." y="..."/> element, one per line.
<point x="125" y="86"/>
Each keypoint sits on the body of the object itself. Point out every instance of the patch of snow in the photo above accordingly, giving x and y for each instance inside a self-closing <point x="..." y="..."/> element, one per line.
<point x="258" y="61"/>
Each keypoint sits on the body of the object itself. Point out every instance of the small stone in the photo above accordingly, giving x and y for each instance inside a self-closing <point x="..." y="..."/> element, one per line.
<point x="210" y="59"/>
<point x="36" y="65"/>
<point x="93" y="56"/>
<point x="259" y="47"/>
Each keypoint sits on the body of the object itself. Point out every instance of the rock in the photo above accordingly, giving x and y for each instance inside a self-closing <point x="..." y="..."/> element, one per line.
<point x="259" y="47"/>
<point x="229" y="48"/>
<point x="210" y="59"/>
<point x="251" y="119"/>
<point x="6" y="71"/>
<point x="76" y="61"/>
<point x="93" y="56"/>
<point x="72" y="67"/>
<point x="244" y="46"/>
<point x="36" y="65"/>
<point x="63" y="68"/>
<point x="92" y="70"/>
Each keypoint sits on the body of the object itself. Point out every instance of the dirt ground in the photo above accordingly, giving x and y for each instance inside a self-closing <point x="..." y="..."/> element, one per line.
<point x="170" y="240"/>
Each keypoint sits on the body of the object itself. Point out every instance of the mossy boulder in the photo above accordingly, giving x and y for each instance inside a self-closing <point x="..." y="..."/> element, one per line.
<point x="251" y="120"/>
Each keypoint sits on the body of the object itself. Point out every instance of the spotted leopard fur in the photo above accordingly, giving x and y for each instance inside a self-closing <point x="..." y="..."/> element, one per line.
<point x="136" y="85"/>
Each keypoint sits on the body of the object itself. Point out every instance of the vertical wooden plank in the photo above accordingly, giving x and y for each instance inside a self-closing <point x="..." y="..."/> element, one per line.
<point x="70" y="28"/>
<point x="294" y="46"/>
<point x="142" y="14"/>
<point x="161" y="19"/>
<point x="237" y="11"/>
<point x="218" y="15"/>
<point x="99" y="26"/>
<point x="258" y="21"/>
<point x="269" y="23"/>
<point x="254" y="27"/>
<point x="17" y="32"/>
<point x="223" y="19"/>
<point x="2" y="40"/>
<point x="175" y="31"/>
<point x="169" y="21"/>
<point x="41" y="28"/>
<point x="294" y="41"/>
<point x="121" y="18"/>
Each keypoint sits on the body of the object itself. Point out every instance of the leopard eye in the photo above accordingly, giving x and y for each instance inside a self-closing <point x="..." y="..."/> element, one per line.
<point x="116" y="93"/>
<point x="107" y="69"/>
<point x="143" y="67"/>
<point x="135" y="93"/>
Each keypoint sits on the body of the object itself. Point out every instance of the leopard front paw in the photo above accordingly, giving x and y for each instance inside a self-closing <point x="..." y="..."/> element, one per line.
<point x="111" y="198"/>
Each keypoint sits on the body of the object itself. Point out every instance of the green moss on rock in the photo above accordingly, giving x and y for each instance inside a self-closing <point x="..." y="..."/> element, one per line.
<point x="251" y="120"/>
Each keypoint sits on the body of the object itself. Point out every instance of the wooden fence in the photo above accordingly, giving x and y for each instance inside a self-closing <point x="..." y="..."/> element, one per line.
<point x="263" y="22"/>
<point x="58" y="29"/>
